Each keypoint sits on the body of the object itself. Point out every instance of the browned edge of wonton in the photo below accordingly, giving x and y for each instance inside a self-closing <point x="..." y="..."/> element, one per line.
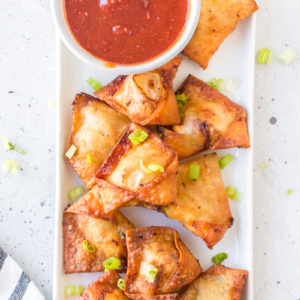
<point x="104" y="287"/>
<point x="163" y="112"/>
<point x="104" y="137"/>
<point x="217" y="282"/>
<point x="218" y="19"/>
<point x="105" y="236"/>
<point x="186" y="270"/>
<point x="158" y="191"/>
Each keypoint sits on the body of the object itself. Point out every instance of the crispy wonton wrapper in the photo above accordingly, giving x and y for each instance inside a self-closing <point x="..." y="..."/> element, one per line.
<point x="202" y="205"/>
<point x="218" y="282"/>
<point x="210" y="121"/>
<point x="96" y="129"/>
<point x="105" y="236"/>
<point x="147" y="98"/>
<point x="105" y="288"/>
<point x="217" y="20"/>
<point x="163" y="248"/>
<point x="121" y="178"/>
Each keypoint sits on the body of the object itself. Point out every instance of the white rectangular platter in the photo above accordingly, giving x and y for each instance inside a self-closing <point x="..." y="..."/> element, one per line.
<point x="235" y="59"/>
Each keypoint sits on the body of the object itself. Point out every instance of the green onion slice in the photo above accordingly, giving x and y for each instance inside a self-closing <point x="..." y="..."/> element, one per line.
<point x="234" y="194"/>
<point x="10" y="166"/>
<point x="71" y="290"/>
<point x="264" y="165"/>
<point x="122" y="235"/>
<point x="4" y="140"/>
<point x="158" y="134"/>
<point x="96" y="85"/>
<point x="152" y="167"/>
<point x="289" y="191"/>
<point x="264" y="56"/>
<point x="214" y="83"/>
<point x="224" y="161"/>
<point x="149" y="271"/>
<point x="71" y="152"/>
<point x="181" y="99"/>
<point x="111" y="263"/>
<point x="287" y="56"/>
<point x="89" y="158"/>
<point x="142" y="167"/>
<point x="88" y="247"/>
<point x="219" y="258"/>
<point x="121" y="283"/>
<point x="194" y="172"/>
<point x="77" y="191"/>
<point x="138" y="136"/>
<point x="12" y="147"/>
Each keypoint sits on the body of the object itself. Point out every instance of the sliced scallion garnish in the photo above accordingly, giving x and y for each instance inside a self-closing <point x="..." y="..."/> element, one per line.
<point x="149" y="271"/>
<point x="264" y="56"/>
<point x="121" y="283"/>
<point x="5" y="142"/>
<point x="224" y="161"/>
<point x="88" y="247"/>
<point x="214" y="83"/>
<point x="138" y="136"/>
<point x="289" y="192"/>
<point x="71" y="290"/>
<point x="96" y="85"/>
<point x="89" y="158"/>
<point x="111" y="263"/>
<point x="219" y="258"/>
<point x="158" y="134"/>
<point x="152" y="167"/>
<point x="69" y="154"/>
<point x="194" y="172"/>
<point x="121" y="235"/>
<point x="12" y="147"/>
<point x="287" y="56"/>
<point x="77" y="191"/>
<point x="264" y="165"/>
<point x="181" y="99"/>
<point x="234" y="194"/>
<point x="10" y="166"/>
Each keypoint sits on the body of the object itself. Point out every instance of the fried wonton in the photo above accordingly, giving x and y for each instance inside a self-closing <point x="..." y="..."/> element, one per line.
<point x="163" y="248"/>
<point x="105" y="288"/>
<point x="218" y="282"/>
<point x="96" y="129"/>
<point x="107" y="238"/>
<point x="218" y="19"/>
<point x="146" y="98"/>
<point x="122" y="179"/>
<point x="210" y="121"/>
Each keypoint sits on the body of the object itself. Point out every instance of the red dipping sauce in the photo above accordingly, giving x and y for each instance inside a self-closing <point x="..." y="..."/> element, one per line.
<point x="126" y="31"/>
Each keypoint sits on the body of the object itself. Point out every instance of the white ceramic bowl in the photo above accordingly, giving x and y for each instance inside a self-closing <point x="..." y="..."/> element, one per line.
<point x="62" y="27"/>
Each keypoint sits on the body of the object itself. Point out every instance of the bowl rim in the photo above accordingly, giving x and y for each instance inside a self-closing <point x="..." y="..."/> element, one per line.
<point x="83" y="55"/>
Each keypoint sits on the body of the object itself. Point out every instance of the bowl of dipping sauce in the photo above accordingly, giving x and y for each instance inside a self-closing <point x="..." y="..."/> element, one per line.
<point x="126" y="36"/>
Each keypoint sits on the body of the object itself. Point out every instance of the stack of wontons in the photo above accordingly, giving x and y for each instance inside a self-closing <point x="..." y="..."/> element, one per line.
<point x="130" y="142"/>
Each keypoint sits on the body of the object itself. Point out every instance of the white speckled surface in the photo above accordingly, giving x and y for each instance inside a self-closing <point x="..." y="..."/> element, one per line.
<point x="27" y="67"/>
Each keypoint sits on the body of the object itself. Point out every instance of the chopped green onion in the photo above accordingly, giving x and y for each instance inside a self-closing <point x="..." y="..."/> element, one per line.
<point x="96" y="85"/>
<point x="287" y="56"/>
<point x="111" y="263"/>
<point x="14" y="171"/>
<point x="181" y="99"/>
<point x="138" y="136"/>
<point x="10" y="166"/>
<point x="4" y="140"/>
<point x="51" y="103"/>
<point x="77" y="191"/>
<point x="264" y="56"/>
<point x="71" y="152"/>
<point x="234" y="194"/>
<point x="12" y="147"/>
<point x="214" y="83"/>
<point x="149" y="271"/>
<point x="224" y="161"/>
<point x="71" y="290"/>
<point x="194" y="172"/>
<point x="264" y="165"/>
<point x="156" y="167"/>
<point x="122" y="235"/>
<point x="89" y="158"/>
<point x="289" y="191"/>
<point x="158" y="134"/>
<point x="121" y="283"/>
<point x="142" y="167"/>
<point x="87" y="247"/>
<point x="219" y="258"/>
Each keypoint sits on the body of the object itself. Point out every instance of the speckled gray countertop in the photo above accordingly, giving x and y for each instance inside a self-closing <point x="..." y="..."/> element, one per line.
<point x="27" y="82"/>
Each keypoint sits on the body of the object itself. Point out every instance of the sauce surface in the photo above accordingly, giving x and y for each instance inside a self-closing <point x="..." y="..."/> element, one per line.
<point x="126" y="31"/>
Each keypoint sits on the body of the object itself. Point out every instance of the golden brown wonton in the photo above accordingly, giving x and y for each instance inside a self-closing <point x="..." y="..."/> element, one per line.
<point x="210" y="121"/>
<point x="105" y="288"/>
<point x="163" y="248"/>
<point x="96" y="129"/>
<point x="218" y="282"/>
<point x="121" y="178"/>
<point x="218" y="19"/>
<point x="105" y="236"/>
<point x="146" y="98"/>
<point x="202" y="205"/>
